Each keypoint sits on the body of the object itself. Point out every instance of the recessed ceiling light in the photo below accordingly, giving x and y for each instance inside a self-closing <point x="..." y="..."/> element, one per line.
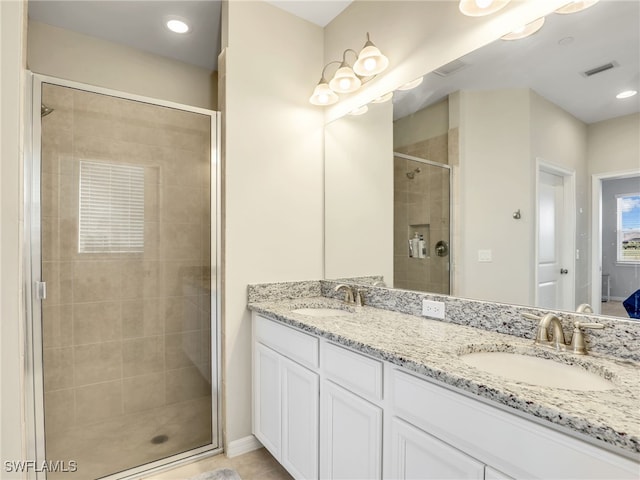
<point x="177" y="25"/>
<point x="627" y="94"/>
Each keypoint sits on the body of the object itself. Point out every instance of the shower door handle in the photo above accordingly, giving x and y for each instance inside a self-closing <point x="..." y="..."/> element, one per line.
<point x="41" y="290"/>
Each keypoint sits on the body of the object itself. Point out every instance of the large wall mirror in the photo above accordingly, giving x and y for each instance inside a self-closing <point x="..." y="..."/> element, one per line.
<point x="511" y="174"/>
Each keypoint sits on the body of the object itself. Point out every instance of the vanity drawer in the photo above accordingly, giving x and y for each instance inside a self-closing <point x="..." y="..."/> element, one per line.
<point x="287" y="341"/>
<point x="360" y="374"/>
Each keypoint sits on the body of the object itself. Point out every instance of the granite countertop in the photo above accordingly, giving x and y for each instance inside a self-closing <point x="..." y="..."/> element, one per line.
<point x="434" y="348"/>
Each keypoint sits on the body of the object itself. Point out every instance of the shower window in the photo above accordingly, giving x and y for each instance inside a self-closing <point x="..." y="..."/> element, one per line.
<point x="111" y="208"/>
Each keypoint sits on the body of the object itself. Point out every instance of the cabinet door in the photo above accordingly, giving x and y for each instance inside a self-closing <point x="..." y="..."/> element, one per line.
<point x="267" y="401"/>
<point x="350" y="437"/>
<point x="417" y="455"/>
<point x="300" y="418"/>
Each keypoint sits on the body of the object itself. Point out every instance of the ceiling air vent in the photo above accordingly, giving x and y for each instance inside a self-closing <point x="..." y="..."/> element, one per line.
<point x="450" y="68"/>
<point x="600" y="69"/>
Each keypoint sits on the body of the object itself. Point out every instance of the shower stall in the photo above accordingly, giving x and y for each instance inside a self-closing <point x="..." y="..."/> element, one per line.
<point x="122" y="250"/>
<point x="422" y="221"/>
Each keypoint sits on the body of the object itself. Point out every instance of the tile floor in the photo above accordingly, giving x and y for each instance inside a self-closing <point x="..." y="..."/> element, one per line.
<point x="256" y="465"/>
<point x="614" y="309"/>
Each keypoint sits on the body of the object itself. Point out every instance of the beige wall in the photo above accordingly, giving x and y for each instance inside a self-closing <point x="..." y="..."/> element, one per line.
<point x="614" y="145"/>
<point x="559" y="138"/>
<point x="12" y="439"/>
<point x="273" y="174"/>
<point x="494" y="182"/>
<point x="502" y="133"/>
<point x="73" y="56"/>
<point x="427" y="123"/>
<point x="358" y="227"/>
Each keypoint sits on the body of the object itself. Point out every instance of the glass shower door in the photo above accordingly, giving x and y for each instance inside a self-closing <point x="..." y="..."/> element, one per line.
<point x="129" y="376"/>
<point x="422" y="209"/>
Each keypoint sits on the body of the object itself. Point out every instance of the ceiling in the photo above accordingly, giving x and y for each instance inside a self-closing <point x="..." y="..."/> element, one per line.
<point x="607" y="32"/>
<point x="140" y="24"/>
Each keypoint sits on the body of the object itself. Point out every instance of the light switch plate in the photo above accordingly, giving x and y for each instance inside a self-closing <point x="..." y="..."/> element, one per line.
<point x="433" y="309"/>
<point x="485" y="256"/>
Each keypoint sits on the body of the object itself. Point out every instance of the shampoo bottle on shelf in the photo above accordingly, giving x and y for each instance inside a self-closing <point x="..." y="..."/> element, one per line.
<point x="422" y="248"/>
<point x="414" y="247"/>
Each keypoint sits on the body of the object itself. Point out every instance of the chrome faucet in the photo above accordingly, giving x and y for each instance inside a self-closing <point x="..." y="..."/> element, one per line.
<point x="556" y="340"/>
<point x="348" y="292"/>
<point x="351" y="294"/>
<point x="584" y="308"/>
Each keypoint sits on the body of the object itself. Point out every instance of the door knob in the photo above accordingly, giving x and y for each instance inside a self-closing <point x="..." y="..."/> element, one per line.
<point x="563" y="271"/>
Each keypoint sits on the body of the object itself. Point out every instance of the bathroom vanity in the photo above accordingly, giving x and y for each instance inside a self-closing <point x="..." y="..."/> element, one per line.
<point x="345" y="392"/>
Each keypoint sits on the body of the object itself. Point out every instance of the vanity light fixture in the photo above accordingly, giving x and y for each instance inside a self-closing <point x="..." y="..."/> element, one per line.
<point x="347" y="79"/>
<point x="177" y="25"/>
<point x="525" y="31"/>
<point x="411" y="84"/>
<point x="480" y="8"/>
<point x="626" y="94"/>
<point x="576" y="6"/>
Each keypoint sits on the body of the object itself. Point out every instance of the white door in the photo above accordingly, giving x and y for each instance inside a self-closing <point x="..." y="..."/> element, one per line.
<point x="555" y="225"/>
<point x="417" y="455"/>
<point x="300" y="417"/>
<point x="351" y="436"/>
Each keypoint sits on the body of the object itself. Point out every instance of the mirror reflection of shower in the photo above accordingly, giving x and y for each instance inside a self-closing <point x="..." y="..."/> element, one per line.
<point x="412" y="174"/>
<point x="44" y="110"/>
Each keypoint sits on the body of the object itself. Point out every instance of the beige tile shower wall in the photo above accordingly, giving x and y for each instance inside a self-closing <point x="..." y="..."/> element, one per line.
<point x="423" y="200"/>
<point x="125" y="332"/>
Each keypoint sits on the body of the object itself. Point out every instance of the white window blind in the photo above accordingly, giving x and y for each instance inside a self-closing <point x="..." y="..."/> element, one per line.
<point x="111" y="208"/>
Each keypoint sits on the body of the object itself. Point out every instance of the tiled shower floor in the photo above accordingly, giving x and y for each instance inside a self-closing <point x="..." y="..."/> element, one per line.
<point x="111" y="446"/>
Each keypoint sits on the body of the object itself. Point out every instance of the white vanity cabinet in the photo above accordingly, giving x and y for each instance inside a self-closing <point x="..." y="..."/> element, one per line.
<point x="416" y="454"/>
<point x="324" y="411"/>
<point x="350" y="419"/>
<point x="286" y="396"/>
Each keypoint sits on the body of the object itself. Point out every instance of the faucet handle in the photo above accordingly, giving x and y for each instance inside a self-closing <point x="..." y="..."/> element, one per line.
<point x="531" y="316"/>
<point x="578" y="345"/>
<point x="359" y="297"/>
<point x="597" y="326"/>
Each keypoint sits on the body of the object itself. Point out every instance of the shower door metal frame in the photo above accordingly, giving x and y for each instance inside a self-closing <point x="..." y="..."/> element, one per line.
<point x="32" y="264"/>
<point x="431" y="163"/>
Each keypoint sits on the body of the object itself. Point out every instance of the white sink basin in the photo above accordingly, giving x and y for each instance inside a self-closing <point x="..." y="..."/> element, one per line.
<point x="321" y="312"/>
<point x="536" y="371"/>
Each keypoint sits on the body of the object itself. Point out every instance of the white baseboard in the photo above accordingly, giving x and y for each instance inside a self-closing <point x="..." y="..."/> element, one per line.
<point x="242" y="445"/>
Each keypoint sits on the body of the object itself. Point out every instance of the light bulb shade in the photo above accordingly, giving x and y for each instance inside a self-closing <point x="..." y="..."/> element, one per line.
<point x="323" y="95"/>
<point x="576" y="6"/>
<point x="345" y="80"/>
<point x="411" y="84"/>
<point x="529" y="29"/>
<point x="480" y="8"/>
<point x="370" y="61"/>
